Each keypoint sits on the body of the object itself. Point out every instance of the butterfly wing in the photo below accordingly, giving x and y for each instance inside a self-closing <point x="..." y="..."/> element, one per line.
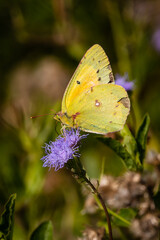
<point x="101" y="110"/>
<point x="94" y="69"/>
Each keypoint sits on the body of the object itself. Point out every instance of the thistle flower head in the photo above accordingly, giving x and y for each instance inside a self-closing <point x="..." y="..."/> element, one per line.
<point x="123" y="81"/>
<point x="65" y="147"/>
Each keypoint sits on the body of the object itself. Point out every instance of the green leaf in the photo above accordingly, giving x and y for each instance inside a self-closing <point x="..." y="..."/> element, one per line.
<point x="129" y="141"/>
<point x="121" y="151"/>
<point x="43" y="232"/>
<point x="7" y="219"/>
<point x="142" y="137"/>
<point x="124" y="217"/>
<point x="131" y="145"/>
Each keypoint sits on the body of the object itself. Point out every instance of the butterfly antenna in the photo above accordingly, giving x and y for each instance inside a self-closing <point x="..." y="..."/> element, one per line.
<point x="42" y="115"/>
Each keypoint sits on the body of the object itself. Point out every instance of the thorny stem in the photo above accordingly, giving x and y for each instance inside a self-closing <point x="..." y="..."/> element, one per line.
<point x="103" y="205"/>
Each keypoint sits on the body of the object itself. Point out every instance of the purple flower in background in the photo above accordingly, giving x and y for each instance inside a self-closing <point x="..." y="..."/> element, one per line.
<point x="62" y="149"/>
<point x="123" y="81"/>
<point x="156" y="40"/>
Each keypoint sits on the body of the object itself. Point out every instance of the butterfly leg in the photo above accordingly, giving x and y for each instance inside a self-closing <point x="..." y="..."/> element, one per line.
<point x="74" y="116"/>
<point x="63" y="129"/>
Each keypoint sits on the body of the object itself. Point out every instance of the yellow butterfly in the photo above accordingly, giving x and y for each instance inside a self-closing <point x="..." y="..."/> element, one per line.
<point x="92" y="101"/>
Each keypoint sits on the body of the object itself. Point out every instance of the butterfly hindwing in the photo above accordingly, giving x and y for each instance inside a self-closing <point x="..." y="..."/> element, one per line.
<point x="102" y="110"/>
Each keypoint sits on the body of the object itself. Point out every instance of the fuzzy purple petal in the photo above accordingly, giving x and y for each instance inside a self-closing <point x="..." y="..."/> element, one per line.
<point x="65" y="147"/>
<point x="156" y="40"/>
<point x="123" y="81"/>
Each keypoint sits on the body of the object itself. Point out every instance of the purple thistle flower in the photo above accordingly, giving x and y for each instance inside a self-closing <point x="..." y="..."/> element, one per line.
<point x="156" y="40"/>
<point x="62" y="149"/>
<point x="123" y="81"/>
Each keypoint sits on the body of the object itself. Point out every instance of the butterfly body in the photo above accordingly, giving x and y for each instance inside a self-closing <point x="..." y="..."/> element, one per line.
<point x="92" y="101"/>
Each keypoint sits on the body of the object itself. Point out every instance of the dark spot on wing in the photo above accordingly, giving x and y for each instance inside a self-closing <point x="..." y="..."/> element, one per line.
<point x="110" y="81"/>
<point x="125" y="101"/>
<point x="91" y="89"/>
<point x="117" y="105"/>
<point x="114" y="113"/>
<point x="99" y="61"/>
<point x="111" y="78"/>
<point x="78" y="82"/>
<point x="93" y="59"/>
<point x="98" y="71"/>
<point x="97" y="103"/>
<point x="110" y="121"/>
<point x="99" y="79"/>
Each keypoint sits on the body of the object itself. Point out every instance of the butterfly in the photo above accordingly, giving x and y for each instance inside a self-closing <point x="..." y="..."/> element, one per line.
<point x="92" y="101"/>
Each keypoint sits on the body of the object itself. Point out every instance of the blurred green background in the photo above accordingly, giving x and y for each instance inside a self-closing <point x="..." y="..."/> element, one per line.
<point x="41" y="43"/>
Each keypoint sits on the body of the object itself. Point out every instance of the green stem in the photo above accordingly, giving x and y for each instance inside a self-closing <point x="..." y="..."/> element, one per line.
<point x="119" y="217"/>
<point x="79" y="173"/>
<point x="103" y="205"/>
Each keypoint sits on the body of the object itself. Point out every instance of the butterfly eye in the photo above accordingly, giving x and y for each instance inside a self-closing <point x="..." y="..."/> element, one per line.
<point x="78" y="82"/>
<point x="98" y="71"/>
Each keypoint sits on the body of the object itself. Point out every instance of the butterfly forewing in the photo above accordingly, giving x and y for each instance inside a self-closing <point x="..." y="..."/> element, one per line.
<point x="94" y="69"/>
